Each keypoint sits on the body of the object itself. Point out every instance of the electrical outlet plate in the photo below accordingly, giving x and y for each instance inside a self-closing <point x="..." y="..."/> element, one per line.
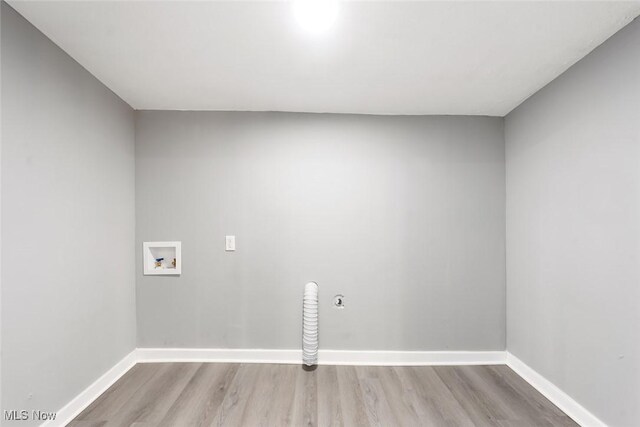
<point x="230" y="243"/>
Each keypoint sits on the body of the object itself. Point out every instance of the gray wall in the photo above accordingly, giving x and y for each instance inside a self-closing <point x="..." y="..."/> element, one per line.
<point x="0" y="213"/>
<point x="573" y="230"/>
<point x="68" y="293"/>
<point x="402" y="215"/>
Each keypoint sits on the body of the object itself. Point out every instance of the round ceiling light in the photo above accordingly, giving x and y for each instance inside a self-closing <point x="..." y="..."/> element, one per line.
<point x="315" y="16"/>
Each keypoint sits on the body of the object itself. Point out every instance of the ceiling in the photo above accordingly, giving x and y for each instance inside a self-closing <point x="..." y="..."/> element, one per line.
<point x="383" y="57"/>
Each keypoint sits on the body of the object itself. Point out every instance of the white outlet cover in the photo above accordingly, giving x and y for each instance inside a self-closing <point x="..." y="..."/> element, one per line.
<point x="230" y="243"/>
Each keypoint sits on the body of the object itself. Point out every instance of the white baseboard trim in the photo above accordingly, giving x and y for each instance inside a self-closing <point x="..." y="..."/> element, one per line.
<point x="558" y="397"/>
<point x="239" y="355"/>
<point x="325" y="357"/>
<point x="65" y="415"/>
<point x="410" y="358"/>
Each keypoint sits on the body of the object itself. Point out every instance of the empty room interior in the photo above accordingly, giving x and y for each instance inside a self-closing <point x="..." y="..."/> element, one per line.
<point x="320" y="213"/>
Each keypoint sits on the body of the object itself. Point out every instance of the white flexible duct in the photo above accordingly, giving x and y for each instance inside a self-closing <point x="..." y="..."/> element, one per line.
<point x="310" y="324"/>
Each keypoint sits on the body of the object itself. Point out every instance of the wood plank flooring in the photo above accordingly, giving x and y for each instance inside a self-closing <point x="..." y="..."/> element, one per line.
<point x="226" y="394"/>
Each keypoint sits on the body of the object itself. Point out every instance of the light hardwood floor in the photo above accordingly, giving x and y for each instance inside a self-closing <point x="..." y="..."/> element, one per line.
<point x="225" y="394"/>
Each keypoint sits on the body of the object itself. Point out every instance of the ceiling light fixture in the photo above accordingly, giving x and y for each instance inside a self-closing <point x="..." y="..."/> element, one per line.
<point x="315" y="16"/>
